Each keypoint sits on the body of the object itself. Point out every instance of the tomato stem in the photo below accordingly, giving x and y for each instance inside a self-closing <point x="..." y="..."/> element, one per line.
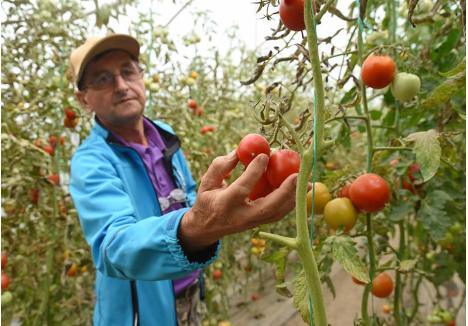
<point x="286" y="241"/>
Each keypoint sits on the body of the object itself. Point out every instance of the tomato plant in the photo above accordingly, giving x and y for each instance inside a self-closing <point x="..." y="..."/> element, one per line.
<point x="378" y="71"/>
<point x="250" y="146"/>
<point x="369" y="192"/>
<point x="281" y="165"/>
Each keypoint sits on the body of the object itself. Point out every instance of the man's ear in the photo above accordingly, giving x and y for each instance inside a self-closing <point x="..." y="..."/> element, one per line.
<point x="81" y="97"/>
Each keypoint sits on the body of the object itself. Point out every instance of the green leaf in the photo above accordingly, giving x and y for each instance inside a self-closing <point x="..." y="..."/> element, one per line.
<point x="399" y="211"/>
<point x="445" y="91"/>
<point x="427" y="149"/>
<point x="282" y="289"/>
<point x="344" y="251"/>
<point x="461" y="67"/>
<point x="375" y="115"/>
<point x="433" y="214"/>
<point x="407" y="265"/>
<point x="278" y="258"/>
<point x="301" y="296"/>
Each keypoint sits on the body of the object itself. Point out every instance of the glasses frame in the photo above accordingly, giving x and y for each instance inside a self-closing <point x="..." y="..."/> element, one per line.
<point x="90" y="85"/>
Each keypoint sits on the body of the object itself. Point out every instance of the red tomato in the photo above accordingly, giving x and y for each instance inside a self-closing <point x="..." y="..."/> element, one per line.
<point x="5" y="281"/>
<point x="344" y="192"/>
<point x="292" y="14"/>
<point x="250" y="146"/>
<point x="382" y="286"/>
<point x="49" y="149"/>
<point x="191" y="103"/>
<point x="369" y="192"/>
<point x="199" y="111"/>
<point x="206" y="129"/>
<point x="34" y="193"/>
<point x="412" y="170"/>
<point x="217" y="274"/>
<point x="378" y="71"/>
<point x="53" y="141"/>
<point x="261" y="188"/>
<point x="54" y="179"/>
<point x="281" y="165"/>
<point x="70" y="123"/>
<point x="62" y="140"/>
<point x="254" y="297"/>
<point x="69" y="113"/>
<point x="451" y="323"/>
<point x="4" y="260"/>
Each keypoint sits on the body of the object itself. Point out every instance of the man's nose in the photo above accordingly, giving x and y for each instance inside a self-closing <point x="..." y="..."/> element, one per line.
<point x="120" y="83"/>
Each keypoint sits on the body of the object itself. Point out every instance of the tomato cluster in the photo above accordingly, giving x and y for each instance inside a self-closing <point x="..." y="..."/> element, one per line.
<point x="379" y="71"/>
<point x="281" y="164"/>
<point x="368" y="193"/>
<point x="71" y="119"/>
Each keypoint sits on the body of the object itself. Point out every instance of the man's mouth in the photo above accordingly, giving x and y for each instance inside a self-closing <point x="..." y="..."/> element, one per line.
<point x="124" y="100"/>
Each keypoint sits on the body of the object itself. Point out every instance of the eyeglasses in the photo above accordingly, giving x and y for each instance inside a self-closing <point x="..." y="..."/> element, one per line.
<point x="106" y="79"/>
<point x="175" y="196"/>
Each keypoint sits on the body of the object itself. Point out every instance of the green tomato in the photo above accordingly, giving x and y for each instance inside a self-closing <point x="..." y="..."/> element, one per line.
<point x="7" y="297"/>
<point x="405" y="86"/>
<point x="378" y="37"/>
<point x="456" y="228"/>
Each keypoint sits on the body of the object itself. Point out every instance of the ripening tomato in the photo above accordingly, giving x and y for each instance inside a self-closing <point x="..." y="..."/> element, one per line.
<point x="4" y="260"/>
<point x="199" y="111"/>
<point x="292" y="14"/>
<point x="321" y="198"/>
<point x="261" y="188"/>
<point x="217" y="274"/>
<point x="70" y="123"/>
<point x="250" y="146"/>
<point x="254" y="297"/>
<point x="340" y="212"/>
<point x="378" y="71"/>
<point x="405" y="86"/>
<point x="451" y="323"/>
<point x="71" y="272"/>
<point x="5" y="281"/>
<point x="369" y="192"/>
<point x="191" y="103"/>
<point x="386" y="309"/>
<point x="382" y="286"/>
<point x="206" y="129"/>
<point x="281" y="165"/>
<point x="69" y="113"/>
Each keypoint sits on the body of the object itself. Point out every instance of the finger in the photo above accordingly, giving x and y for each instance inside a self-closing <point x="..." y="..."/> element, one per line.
<point x="242" y="186"/>
<point x="278" y="203"/>
<point x="217" y="171"/>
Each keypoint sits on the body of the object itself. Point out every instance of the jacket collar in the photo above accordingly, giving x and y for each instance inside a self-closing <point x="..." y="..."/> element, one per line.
<point x="171" y="141"/>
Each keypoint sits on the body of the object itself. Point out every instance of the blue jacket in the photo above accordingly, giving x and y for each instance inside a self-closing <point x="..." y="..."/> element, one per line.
<point x="135" y="249"/>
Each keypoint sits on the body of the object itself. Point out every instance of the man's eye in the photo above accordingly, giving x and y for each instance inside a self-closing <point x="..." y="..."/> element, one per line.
<point x="128" y="73"/>
<point x="103" y="79"/>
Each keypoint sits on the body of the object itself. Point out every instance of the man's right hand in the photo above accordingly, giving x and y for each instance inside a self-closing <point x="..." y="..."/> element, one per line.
<point x="222" y="209"/>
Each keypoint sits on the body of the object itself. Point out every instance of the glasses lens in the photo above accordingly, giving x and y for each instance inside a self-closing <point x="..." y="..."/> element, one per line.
<point x="103" y="80"/>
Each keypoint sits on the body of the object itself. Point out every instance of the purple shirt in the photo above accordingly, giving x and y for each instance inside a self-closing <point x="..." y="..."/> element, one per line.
<point x="152" y="157"/>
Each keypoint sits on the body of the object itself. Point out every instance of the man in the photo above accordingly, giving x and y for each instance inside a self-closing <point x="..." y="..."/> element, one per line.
<point x="135" y="195"/>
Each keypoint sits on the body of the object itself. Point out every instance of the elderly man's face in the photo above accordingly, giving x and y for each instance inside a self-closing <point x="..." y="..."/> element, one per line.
<point x="120" y="104"/>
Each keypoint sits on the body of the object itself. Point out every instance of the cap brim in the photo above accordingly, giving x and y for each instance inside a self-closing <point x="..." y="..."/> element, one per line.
<point x="111" y="42"/>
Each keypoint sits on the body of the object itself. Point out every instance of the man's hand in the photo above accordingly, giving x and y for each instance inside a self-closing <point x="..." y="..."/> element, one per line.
<point x="221" y="209"/>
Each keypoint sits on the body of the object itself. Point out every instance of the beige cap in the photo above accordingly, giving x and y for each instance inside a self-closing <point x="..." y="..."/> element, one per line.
<point x="95" y="45"/>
